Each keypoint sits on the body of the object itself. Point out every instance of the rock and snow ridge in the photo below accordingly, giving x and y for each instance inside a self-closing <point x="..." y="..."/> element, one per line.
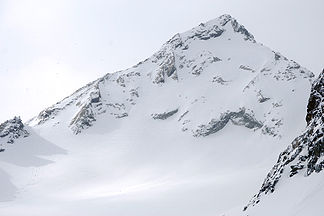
<point x="305" y="155"/>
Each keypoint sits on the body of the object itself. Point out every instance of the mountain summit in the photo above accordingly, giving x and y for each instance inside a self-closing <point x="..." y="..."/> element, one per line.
<point x="191" y="130"/>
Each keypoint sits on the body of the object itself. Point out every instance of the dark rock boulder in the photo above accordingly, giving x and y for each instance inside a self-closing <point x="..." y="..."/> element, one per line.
<point x="165" y="115"/>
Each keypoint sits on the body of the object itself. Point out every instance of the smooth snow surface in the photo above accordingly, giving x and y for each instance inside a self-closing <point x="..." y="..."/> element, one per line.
<point x="229" y="107"/>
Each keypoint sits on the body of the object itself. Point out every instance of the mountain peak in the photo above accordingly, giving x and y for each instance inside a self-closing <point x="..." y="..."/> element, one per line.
<point x="223" y="19"/>
<point x="216" y="27"/>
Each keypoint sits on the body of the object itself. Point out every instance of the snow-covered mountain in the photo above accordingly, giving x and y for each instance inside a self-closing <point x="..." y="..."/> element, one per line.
<point x="207" y="76"/>
<point x="192" y="130"/>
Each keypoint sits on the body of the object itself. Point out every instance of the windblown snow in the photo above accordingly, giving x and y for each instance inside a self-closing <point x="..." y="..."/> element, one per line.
<point x="192" y="130"/>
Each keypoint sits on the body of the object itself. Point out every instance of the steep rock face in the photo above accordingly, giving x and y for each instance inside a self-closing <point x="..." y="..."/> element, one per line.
<point x="214" y="69"/>
<point x="305" y="154"/>
<point x="165" y="60"/>
<point x="88" y="111"/>
<point x="11" y="130"/>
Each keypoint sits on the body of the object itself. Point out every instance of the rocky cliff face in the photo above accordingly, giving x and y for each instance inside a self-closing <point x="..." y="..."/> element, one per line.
<point x="305" y="155"/>
<point x="11" y="130"/>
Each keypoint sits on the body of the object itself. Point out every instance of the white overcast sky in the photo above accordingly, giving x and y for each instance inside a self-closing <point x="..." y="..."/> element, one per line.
<point x="48" y="49"/>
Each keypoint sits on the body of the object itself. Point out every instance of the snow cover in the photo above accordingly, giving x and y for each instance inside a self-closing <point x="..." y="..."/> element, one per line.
<point x="192" y="130"/>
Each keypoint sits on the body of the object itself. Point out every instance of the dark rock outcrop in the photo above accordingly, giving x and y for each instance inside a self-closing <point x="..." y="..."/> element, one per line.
<point x="11" y="130"/>
<point x="47" y="114"/>
<point x="241" y="118"/>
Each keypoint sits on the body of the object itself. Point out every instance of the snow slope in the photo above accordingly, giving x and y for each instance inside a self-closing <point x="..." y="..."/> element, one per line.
<point x="192" y="130"/>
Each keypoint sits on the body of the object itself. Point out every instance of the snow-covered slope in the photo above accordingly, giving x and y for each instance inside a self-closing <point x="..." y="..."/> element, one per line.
<point x="192" y="130"/>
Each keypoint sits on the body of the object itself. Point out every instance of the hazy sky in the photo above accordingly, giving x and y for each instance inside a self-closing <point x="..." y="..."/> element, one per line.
<point x="48" y="49"/>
